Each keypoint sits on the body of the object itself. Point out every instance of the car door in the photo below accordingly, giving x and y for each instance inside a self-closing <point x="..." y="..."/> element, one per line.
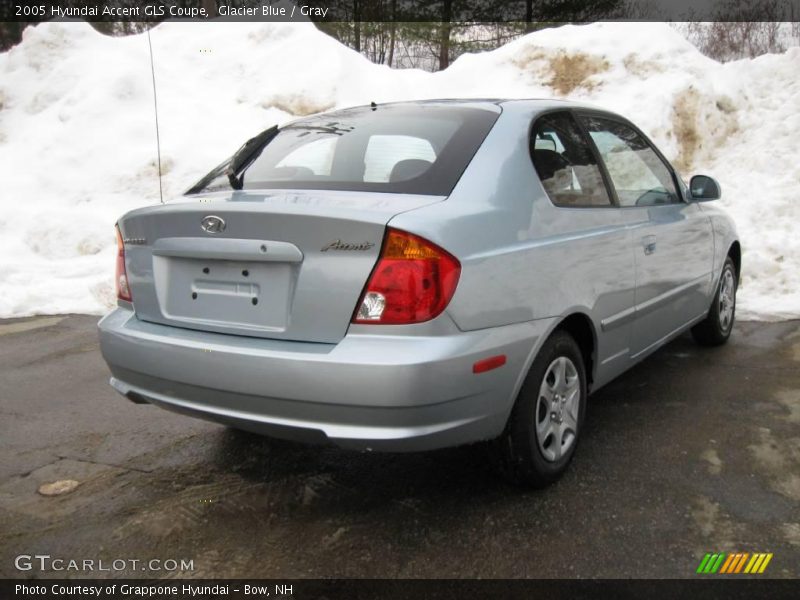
<point x="672" y="239"/>
<point x="586" y="259"/>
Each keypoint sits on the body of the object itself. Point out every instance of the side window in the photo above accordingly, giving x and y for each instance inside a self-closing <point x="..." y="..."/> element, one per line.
<point x="639" y="176"/>
<point x="564" y="160"/>
<point x="397" y="157"/>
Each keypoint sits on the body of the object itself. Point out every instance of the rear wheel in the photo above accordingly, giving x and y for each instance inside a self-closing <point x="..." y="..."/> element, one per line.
<point x="545" y="424"/>
<point x="716" y="328"/>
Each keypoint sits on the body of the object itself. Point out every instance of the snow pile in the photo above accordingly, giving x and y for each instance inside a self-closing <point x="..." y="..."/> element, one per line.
<point x="77" y="139"/>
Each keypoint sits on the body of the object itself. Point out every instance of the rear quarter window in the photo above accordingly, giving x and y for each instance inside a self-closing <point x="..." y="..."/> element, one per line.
<point x="566" y="165"/>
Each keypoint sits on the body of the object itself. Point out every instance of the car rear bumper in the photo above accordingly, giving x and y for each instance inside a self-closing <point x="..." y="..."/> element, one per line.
<point x="369" y="392"/>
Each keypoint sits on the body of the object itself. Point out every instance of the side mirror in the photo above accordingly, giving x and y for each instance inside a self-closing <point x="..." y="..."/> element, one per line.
<point x="704" y="188"/>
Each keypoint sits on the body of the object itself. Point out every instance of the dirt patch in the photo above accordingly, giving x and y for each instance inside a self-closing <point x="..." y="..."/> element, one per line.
<point x="563" y="72"/>
<point x="35" y="495"/>
<point x="778" y="460"/>
<point x="20" y="326"/>
<point x="712" y="458"/>
<point x="151" y="169"/>
<point x="181" y="511"/>
<point x="725" y="105"/>
<point x="791" y="533"/>
<point x="700" y="124"/>
<point x="641" y="68"/>
<point x="790" y="400"/>
<point x="573" y="71"/>
<point x="296" y="104"/>
<point x="684" y="122"/>
<point x="530" y="59"/>
<point x="713" y="523"/>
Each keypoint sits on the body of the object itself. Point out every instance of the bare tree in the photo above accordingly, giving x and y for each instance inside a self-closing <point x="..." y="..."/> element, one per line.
<point x="741" y="29"/>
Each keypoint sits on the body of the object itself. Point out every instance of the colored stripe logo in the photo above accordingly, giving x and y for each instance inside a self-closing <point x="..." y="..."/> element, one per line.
<point x="734" y="562"/>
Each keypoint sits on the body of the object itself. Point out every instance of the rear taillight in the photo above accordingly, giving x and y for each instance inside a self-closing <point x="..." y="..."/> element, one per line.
<point x="121" y="280"/>
<point x="413" y="282"/>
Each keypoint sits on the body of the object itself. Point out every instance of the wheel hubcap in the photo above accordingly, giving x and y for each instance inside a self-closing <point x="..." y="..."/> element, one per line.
<point x="557" y="409"/>
<point x="727" y="300"/>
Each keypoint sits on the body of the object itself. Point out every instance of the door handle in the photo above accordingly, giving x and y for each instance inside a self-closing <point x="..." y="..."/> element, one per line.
<point x="649" y="244"/>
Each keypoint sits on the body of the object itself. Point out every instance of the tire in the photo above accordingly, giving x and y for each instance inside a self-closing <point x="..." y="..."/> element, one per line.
<point x="526" y="453"/>
<point x="716" y="328"/>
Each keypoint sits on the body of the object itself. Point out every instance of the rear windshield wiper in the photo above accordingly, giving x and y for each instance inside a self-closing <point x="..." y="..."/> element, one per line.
<point x="245" y="156"/>
<point x="235" y="166"/>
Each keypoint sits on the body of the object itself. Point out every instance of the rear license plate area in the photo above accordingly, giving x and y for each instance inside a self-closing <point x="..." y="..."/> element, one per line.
<point x="223" y="293"/>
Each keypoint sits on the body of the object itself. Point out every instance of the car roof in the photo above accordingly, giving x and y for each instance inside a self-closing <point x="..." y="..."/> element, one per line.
<point x="495" y="104"/>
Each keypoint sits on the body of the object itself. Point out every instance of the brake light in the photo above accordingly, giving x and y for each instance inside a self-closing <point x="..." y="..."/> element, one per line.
<point x="121" y="280"/>
<point x="412" y="282"/>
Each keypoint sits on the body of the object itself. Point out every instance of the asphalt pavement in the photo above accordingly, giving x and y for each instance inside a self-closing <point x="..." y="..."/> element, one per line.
<point x="696" y="450"/>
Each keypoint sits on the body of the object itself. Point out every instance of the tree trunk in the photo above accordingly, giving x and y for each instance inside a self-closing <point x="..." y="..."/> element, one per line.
<point x="528" y="16"/>
<point x="210" y="6"/>
<point x="444" y="38"/>
<point x="357" y="25"/>
<point x="392" y="33"/>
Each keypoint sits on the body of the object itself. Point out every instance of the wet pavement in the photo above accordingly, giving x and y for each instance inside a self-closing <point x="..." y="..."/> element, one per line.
<point x="695" y="450"/>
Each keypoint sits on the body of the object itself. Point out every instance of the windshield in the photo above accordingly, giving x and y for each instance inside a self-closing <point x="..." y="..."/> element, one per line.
<point x="414" y="149"/>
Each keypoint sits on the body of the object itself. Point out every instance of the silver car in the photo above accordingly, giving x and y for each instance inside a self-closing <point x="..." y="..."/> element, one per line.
<point x="411" y="276"/>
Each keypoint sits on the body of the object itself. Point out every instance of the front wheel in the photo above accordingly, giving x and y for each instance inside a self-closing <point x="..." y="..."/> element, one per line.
<point x="545" y="424"/>
<point x="716" y="328"/>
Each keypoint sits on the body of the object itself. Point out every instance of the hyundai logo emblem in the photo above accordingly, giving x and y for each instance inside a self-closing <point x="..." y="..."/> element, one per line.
<point x="213" y="224"/>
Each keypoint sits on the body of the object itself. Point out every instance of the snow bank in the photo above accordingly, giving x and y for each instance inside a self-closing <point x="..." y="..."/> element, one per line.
<point x="77" y="140"/>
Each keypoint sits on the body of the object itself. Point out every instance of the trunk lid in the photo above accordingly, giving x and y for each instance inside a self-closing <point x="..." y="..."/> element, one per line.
<point x="284" y="265"/>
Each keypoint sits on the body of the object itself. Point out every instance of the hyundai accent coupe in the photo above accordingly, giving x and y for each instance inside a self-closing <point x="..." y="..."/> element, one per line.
<point x="410" y="276"/>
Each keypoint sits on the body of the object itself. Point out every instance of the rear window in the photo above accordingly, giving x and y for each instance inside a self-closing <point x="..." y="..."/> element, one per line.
<point x="413" y="149"/>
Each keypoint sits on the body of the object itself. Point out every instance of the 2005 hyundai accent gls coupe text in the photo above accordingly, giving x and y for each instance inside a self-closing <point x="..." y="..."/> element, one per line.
<point x="418" y="275"/>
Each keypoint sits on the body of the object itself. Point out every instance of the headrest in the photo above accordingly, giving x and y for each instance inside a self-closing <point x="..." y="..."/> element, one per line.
<point x="547" y="162"/>
<point x="409" y="169"/>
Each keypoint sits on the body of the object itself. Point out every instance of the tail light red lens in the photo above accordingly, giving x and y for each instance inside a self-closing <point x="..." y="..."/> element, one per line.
<point x="121" y="280"/>
<point x="412" y="282"/>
